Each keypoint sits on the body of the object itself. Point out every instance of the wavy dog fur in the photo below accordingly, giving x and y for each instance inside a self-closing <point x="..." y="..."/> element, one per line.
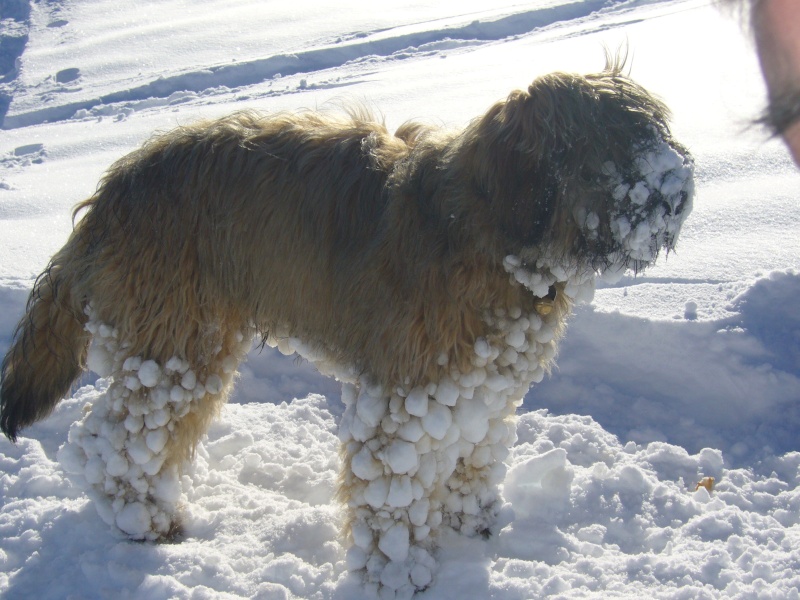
<point x="385" y="251"/>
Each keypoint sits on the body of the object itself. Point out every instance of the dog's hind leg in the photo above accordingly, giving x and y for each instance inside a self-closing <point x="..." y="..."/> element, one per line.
<point x="131" y="444"/>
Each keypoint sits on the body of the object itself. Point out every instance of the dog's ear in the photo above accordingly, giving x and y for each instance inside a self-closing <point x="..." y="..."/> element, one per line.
<point x="516" y="169"/>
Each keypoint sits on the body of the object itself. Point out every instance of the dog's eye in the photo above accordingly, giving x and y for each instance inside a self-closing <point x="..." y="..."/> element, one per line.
<point x="588" y="175"/>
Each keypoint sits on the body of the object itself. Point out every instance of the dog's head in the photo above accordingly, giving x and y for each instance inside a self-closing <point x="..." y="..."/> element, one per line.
<point x="581" y="172"/>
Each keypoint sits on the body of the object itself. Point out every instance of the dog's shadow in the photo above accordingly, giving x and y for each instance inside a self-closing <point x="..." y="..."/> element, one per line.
<point x="71" y="540"/>
<point x="465" y="567"/>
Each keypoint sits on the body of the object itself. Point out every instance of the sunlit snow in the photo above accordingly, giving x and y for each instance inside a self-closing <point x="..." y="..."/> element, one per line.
<point x="691" y="370"/>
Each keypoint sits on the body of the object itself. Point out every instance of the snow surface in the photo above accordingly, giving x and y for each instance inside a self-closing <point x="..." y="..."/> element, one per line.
<point x="690" y="371"/>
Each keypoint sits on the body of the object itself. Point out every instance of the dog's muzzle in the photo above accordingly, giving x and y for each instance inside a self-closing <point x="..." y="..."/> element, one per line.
<point x="650" y="203"/>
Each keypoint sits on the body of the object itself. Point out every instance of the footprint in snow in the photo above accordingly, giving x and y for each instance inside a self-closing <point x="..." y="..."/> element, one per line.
<point x="28" y="149"/>
<point x="23" y="156"/>
<point x="67" y="75"/>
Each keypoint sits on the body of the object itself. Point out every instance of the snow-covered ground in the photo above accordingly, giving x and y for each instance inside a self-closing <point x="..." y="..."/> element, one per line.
<point x="689" y="371"/>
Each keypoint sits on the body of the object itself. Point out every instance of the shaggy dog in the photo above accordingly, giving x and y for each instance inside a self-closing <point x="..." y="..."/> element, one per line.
<point x="430" y="271"/>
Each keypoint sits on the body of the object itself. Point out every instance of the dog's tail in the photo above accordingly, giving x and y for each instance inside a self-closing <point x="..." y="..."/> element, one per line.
<point x="48" y="348"/>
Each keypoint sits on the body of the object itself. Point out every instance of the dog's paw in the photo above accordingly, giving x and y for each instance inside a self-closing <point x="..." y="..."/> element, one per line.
<point x="395" y="570"/>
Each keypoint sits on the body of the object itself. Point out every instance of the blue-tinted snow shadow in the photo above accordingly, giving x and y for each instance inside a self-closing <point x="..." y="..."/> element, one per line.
<point x="770" y="312"/>
<point x="74" y="541"/>
<point x="12" y="307"/>
<point x="732" y="385"/>
<point x="15" y="15"/>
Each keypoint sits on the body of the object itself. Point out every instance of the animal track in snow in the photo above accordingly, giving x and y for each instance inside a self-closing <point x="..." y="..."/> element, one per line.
<point x="396" y="43"/>
<point x="68" y="75"/>
<point x="24" y="156"/>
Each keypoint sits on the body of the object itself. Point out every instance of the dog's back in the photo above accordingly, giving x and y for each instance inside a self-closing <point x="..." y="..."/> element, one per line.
<point x="265" y="220"/>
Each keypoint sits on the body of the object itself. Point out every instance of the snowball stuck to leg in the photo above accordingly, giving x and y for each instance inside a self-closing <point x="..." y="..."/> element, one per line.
<point x="130" y="444"/>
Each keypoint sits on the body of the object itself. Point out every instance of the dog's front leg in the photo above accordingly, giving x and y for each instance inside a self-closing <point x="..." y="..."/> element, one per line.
<point x="415" y="461"/>
<point x="399" y="449"/>
<point x="473" y="496"/>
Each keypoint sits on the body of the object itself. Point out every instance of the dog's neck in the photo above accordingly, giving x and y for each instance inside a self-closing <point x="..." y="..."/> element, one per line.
<point x="540" y="275"/>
